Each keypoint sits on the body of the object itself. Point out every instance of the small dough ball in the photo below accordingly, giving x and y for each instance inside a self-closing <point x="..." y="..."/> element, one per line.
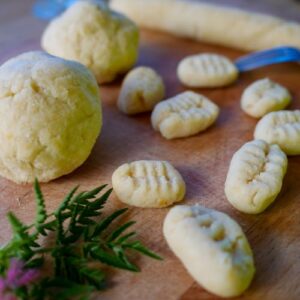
<point x="148" y="183"/>
<point x="255" y="176"/>
<point x="184" y="115"/>
<point x="207" y="70"/>
<point x="142" y="88"/>
<point x="212" y="247"/>
<point x="90" y="33"/>
<point x="50" y="117"/>
<point x="264" y="96"/>
<point x="281" y="128"/>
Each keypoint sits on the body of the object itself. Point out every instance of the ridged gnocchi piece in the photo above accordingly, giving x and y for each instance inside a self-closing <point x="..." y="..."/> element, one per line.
<point x="212" y="247"/>
<point x="281" y="128"/>
<point x="142" y="88"/>
<point x="264" y="96"/>
<point x="206" y="70"/>
<point x="148" y="183"/>
<point x="255" y="176"/>
<point x="184" y="115"/>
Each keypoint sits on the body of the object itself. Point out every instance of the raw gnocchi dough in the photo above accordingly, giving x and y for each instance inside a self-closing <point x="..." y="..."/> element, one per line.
<point x="214" y="24"/>
<point x="264" y="96"/>
<point x="147" y="183"/>
<point x="212" y="247"/>
<point x="184" y="115"/>
<point x="92" y="34"/>
<point x="51" y="116"/>
<point x="206" y="70"/>
<point x="255" y="176"/>
<point x="142" y="88"/>
<point x="281" y="128"/>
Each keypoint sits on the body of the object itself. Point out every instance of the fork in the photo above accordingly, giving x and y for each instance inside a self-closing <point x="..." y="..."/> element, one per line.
<point x="268" y="57"/>
<point x="49" y="9"/>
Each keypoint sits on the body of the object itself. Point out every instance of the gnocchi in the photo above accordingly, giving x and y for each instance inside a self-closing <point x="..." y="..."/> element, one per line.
<point x="148" y="184"/>
<point x="264" y="96"/>
<point x="184" y="115"/>
<point x="212" y="247"/>
<point x="255" y="176"/>
<point x="141" y="90"/>
<point x="281" y="128"/>
<point x="206" y="70"/>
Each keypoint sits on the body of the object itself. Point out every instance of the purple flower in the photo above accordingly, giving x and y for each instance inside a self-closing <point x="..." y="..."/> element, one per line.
<point x="2" y="285"/>
<point x="16" y="276"/>
<point x="8" y="297"/>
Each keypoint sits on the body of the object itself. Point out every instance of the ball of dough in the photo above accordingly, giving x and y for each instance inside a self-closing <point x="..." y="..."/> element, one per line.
<point x="90" y="33"/>
<point x="148" y="183"/>
<point x="142" y="88"/>
<point x="50" y="117"/>
<point x="207" y="70"/>
<point x="264" y="96"/>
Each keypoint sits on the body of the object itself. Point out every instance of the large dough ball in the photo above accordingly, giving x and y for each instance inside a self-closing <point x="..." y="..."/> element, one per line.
<point x="50" y="117"/>
<point x="89" y="32"/>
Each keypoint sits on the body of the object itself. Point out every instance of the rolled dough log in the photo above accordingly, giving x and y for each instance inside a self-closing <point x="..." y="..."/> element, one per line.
<point x="212" y="24"/>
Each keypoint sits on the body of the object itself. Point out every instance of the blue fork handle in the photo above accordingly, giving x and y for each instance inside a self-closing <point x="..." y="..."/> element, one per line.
<point x="268" y="57"/>
<point x="244" y="65"/>
<point x="49" y="9"/>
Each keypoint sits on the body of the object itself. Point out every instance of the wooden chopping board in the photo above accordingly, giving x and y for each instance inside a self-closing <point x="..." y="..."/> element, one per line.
<point x="203" y="161"/>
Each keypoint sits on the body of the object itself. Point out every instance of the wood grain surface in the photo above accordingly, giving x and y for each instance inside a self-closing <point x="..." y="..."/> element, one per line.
<point x="203" y="161"/>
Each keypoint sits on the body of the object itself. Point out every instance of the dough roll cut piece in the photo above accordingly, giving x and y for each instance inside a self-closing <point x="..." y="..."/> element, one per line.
<point x="281" y="128"/>
<point x="148" y="183"/>
<point x="92" y="34"/>
<point x="207" y="70"/>
<point x="264" y="96"/>
<point x="255" y="176"/>
<point x="212" y="24"/>
<point x="212" y="247"/>
<point x="50" y="116"/>
<point x="184" y="115"/>
<point x="141" y="89"/>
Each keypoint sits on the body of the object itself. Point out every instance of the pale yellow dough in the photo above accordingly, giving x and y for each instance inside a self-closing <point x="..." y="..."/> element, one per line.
<point x="207" y="70"/>
<point x="264" y="96"/>
<point x="255" y="176"/>
<point x="50" y="117"/>
<point x="142" y="88"/>
<point x="281" y="128"/>
<point x="212" y="247"/>
<point x="184" y="115"/>
<point x="148" y="183"/>
<point x="90" y="33"/>
<point x="210" y="23"/>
